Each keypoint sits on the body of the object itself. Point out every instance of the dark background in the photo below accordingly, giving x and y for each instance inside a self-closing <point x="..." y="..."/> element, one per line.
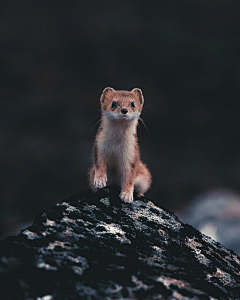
<point x="56" y="57"/>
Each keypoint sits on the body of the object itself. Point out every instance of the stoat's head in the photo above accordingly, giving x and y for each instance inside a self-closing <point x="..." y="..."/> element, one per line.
<point x="121" y="105"/>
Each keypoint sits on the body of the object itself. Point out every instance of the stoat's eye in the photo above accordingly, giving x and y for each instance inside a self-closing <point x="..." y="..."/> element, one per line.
<point x="133" y="104"/>
<point x="114" y="104"/>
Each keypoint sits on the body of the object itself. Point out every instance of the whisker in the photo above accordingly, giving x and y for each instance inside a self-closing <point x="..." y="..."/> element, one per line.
<point x="91" y="120"/>
<point x="143" y="124"/>
<point x="94" y="117"/>
<point x="96" y="124"/>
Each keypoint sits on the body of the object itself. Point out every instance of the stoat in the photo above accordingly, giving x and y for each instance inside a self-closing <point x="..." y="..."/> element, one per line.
<point x="116" y="157"/>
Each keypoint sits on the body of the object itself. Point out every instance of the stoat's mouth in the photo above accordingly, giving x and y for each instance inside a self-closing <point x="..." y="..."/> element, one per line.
<point x="120" y="116"/>
<point x="124" y="116"/>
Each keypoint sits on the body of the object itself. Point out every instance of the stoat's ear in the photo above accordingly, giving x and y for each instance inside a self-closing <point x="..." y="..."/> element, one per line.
<point x="106" y="93"/>
<point x="138" y="93"/>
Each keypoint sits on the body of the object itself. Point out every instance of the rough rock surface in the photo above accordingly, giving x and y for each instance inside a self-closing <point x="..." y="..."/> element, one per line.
<point x="93" y="246"/>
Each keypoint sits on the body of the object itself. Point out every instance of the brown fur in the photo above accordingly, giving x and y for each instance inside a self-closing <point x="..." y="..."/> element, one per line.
<point x="116" y="157"/>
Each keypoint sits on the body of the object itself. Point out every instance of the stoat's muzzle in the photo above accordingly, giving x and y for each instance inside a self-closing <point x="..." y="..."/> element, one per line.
<point x="124" y="114"/>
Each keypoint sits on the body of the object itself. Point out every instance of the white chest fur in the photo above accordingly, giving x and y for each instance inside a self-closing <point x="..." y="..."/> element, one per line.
<point x="116" y="143"/>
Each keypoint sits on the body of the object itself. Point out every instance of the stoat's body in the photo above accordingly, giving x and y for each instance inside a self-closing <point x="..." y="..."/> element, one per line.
<point x="116" y="157"/>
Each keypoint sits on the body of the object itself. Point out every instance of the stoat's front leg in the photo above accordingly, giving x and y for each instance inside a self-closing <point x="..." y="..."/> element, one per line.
<point x="127" y="186"/>
<point x="100" y="174"/>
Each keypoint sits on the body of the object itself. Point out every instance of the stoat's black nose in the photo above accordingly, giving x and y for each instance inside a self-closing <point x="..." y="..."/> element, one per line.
<point x="124" y="111"/>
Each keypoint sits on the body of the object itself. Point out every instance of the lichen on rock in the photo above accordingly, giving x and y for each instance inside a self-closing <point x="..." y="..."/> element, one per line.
<point x="93" y="246"/>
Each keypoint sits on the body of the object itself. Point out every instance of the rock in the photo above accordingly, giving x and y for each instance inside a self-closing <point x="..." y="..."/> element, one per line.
<point x="93" y="246"/>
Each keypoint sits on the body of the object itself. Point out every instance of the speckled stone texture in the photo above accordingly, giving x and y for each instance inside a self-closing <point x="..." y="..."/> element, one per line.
<point x="93" y="246"/>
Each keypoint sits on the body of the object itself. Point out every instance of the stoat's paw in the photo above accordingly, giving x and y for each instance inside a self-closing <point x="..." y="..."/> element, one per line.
<point x="125" y="197"/>
<point x="100" y="181"/>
